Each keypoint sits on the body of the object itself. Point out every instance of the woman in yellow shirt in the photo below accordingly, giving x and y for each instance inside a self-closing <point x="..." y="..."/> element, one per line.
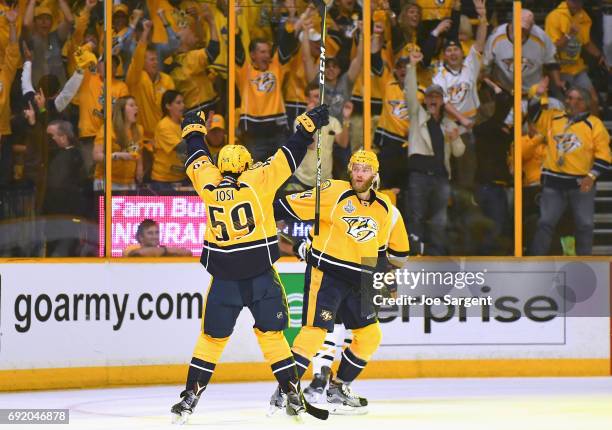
<point x="126" y="140"/>
<point x="168" y="169"/>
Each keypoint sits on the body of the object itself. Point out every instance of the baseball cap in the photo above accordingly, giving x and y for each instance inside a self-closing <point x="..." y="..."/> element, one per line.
<point x="42" y="10"/>
<point x="217" y="121"/>
<point x="434" y="89"/>
<point x="120" y="8"/>
<point x="451" y="42"/>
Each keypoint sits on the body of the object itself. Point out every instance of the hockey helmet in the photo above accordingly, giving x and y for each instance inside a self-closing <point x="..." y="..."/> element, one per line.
<point x="234" y="159"/>
<point x="363" y="156"/>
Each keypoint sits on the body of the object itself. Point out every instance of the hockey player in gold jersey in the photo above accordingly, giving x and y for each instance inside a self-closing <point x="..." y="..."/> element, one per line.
<point x="355" y="225"/>
<point x="240" y="247"/>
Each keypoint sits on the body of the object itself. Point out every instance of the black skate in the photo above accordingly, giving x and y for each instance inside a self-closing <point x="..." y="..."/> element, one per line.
<point x="278" y="401"/>
<point x="314" y="392"/>
<point x="343" y="401"/>
<point x="183" y="409"/>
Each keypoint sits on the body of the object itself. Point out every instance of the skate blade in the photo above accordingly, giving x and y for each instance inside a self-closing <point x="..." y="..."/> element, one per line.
<point x="273" y="411"/>
<point x="180" y="419"/>
<point x="336" y="409"/>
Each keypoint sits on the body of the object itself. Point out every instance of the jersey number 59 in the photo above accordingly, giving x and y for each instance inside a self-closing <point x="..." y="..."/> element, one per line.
<point x="241" y="221"/>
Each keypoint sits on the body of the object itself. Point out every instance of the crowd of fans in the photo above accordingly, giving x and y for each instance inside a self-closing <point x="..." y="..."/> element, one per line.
<point x="442" y="97"/>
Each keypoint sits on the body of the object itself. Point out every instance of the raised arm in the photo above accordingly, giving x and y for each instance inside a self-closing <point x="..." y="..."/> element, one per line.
<point x="357" y="62"/>
<point x="65" y="27"/>
<point x="481" y="31"/>
<point x="136" y="68"/>
<point x="410" y="84"/>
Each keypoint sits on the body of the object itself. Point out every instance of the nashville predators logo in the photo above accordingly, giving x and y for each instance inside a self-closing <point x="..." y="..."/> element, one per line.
<point x="457" y="93"/>
<point x="567" y="143"/>
<point x="399" y="109"/>
<point x="265" y="83"/>
<point x="326" y="315"/>
<point x="361" y="228"/>
<point x="527" y="64"/>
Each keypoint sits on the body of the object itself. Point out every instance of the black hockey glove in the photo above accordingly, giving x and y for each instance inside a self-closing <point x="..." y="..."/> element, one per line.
<point x="309" y="122"/>
<point x="300" y="249"/>
<point x="194" y="123"/>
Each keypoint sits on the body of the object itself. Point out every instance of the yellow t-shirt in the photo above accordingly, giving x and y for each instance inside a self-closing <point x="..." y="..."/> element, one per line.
<point x="122" y="171"/>
<point x="167" y="167"/>
<point x="91" y="104"/>
<point x="191" y="78"/>
<point x="558" y="24"/>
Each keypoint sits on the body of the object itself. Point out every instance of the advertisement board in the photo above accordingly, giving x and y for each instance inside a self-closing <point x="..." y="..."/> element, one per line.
<point x="59" y="316"/>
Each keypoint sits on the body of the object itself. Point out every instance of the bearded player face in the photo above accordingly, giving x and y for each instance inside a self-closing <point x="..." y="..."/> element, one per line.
<point x="362" y="177"/>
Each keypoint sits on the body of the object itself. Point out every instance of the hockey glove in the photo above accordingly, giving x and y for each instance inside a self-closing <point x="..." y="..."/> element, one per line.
<point x="300" y="249"/>
<point x="309" y="122"/>
<point x="194" y="123"/>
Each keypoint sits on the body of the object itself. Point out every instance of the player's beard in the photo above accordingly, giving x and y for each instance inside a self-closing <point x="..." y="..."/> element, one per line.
<point x="363" y="187"/>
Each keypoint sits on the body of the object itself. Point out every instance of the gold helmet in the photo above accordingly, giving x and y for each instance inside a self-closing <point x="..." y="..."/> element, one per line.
<point x="364" y="157"/>
<point x="234" y="159"/>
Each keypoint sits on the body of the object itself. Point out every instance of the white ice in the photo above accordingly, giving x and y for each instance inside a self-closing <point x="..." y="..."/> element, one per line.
<point x="414" y="404"/>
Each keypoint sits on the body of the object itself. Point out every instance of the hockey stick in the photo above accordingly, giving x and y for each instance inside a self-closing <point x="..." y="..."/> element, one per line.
<point x="318" y="413"/>
<point x="322" y="7"/>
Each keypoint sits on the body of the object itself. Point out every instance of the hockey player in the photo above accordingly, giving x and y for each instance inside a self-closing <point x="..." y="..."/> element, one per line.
<point x="354" y="223"/>
<point x="342" y="337"/>
<point x="240" y="246"/>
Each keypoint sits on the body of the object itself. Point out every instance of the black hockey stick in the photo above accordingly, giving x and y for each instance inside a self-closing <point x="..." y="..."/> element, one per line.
<point x="321" y="414"/>
<point x="322" y="7"/>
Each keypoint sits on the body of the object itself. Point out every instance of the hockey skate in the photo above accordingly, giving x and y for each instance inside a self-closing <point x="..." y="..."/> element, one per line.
<point x="278" y="402"/>
<point x="183" y="409"/>
<point x="314" y="392"/>
<point x="343" y="401"/>
<point x="295" y="402"/>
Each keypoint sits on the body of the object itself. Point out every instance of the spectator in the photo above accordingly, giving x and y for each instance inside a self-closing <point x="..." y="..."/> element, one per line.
<point x="493" y="140"/>
<point x="190" y="74"/>
<point x="168" y="169"/>
<point x="538" y="54"/>
<point x="391" y="135"/>
<point x="332" y="134"/>
<point x="9" y="62"/>
<point x="126" y="141"/>
<point x="147" y="83"/>
<point x="338" y="85"/>
<point x="459" y="79"/>
<point x="433" y="138"/>
<point x="47" y="44"/>
<point x="569" y="27"/>
<point x="215" y="139"/>
<point x="147" y="237"/>
<point x="90" y="97"/>
<point x="578" y="152"/>
<point x="263" y="121"/>
<point x="63" y="198"/>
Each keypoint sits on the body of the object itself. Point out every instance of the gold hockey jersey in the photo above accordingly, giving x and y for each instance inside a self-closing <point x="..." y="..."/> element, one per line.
<point x="352" y="231"/>
<point x="240" y="240"/>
